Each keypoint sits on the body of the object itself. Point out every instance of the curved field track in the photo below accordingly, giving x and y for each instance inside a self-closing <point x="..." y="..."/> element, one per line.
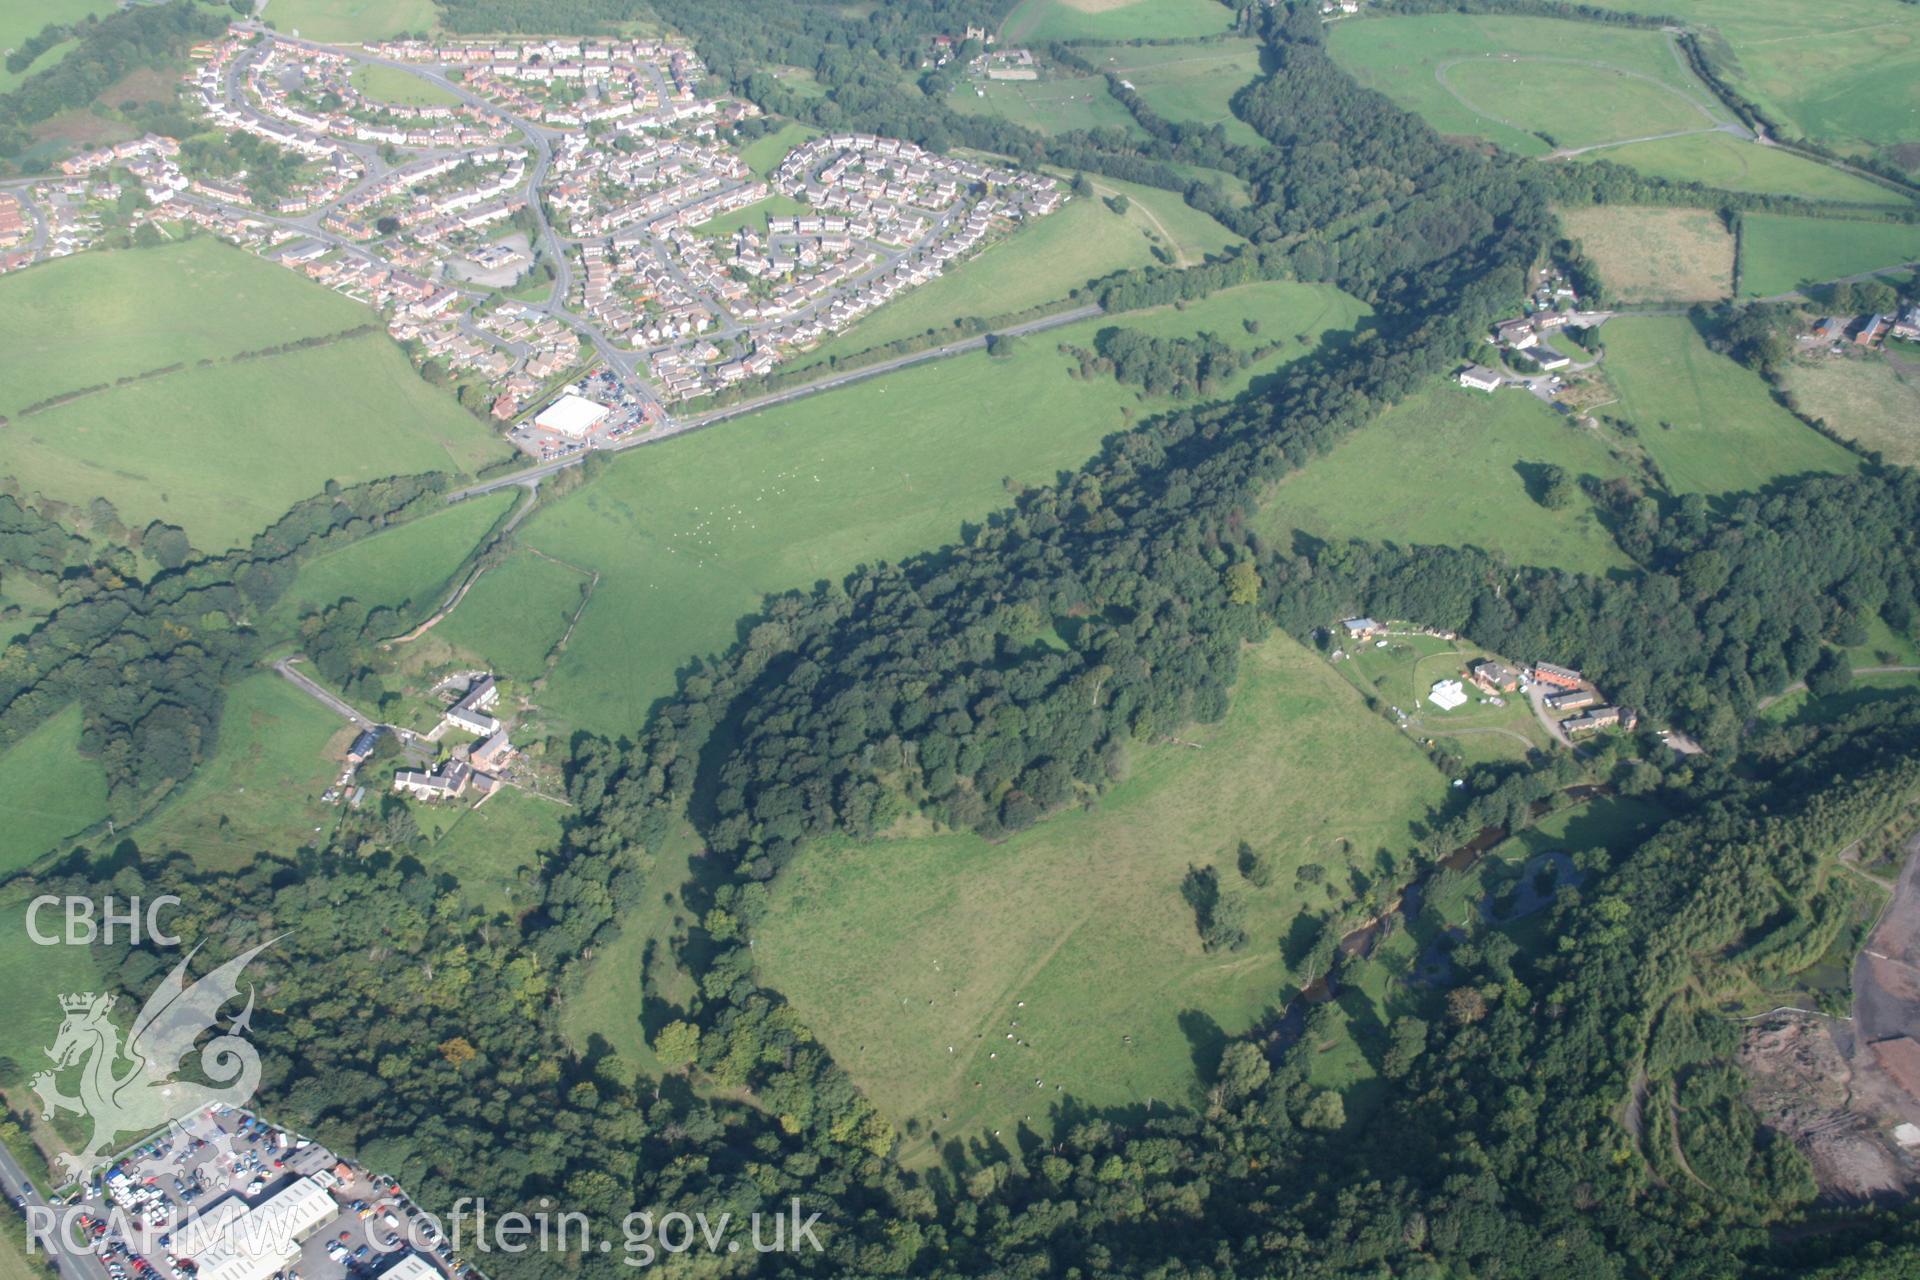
<point x="1593" y="103"/>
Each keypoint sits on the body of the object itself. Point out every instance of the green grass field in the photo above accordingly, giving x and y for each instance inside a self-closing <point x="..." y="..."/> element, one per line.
<point x="1884" y="646"/>
<point x="1056" y="104"/>
<point x="488" y="849"/>
<point x="403" y="568"/>
<point x="1189" y="84"/>
<point x="350" y="21"/>
<point x="34" y="602"/>
<point x="1513" y="80"/>
<point x="1847" y="73"/>
<point x="1072" y="938"/>
<point x="1721" y="431"/>
<point x="1779" y="253"/>
<point x="753" y="216"/>
<point x="1868" y="401"/>
<point x="48" y="790"/>
<point x="1452" y="467"/>
<point x="763" y="155"/>
<point x="222" y="448"/>
<point x="260" y="791"/>
<point x="690" y="535"/>
<point x="1801" y="707"/>
<point x="1655" y="254"/>
<point x="37" y="977"/>
<point x="798" y="80"/>
<point x="224" y="451"/>
<point x="1167" y="220"/>
<point x="1574" y="106"/>
<point x="607" y="1005"/>
<point x="516" y="613"/>
<point x="1038" y="21"/>
<point x="15" y="1262"/>
<point x="1724" y="161"/>
<point x="91" y="318"/>
<point x="392" y="84"/>
<point x="22" y="19"/>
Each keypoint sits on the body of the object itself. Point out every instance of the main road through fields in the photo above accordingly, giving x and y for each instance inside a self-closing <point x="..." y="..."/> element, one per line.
<point x="695" y="422"/>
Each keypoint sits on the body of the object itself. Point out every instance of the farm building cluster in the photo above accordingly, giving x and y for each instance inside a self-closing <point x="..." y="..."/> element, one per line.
<point x="1566" y="698"/>
<point x="1526" y="342"/>
<point x="479" y="763"/>
<point x="1865" y="332"/>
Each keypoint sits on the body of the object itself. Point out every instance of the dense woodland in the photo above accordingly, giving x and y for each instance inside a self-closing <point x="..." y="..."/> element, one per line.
<point x="1181" y="367"/>
<point x="420" y="1033"/>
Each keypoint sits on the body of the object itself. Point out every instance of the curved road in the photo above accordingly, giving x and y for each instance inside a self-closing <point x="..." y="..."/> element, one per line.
<point x="1537" y="695"/>
<point x="1705" y="108"/>
<point x="1567" y="153"/>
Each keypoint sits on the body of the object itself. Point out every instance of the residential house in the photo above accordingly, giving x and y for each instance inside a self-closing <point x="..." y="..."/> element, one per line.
<point x="1477" y="377"/>
<point x="448" y="783"/>
<point x="1908" y="325"/>
<point x="1873" y="330"/>
<point x="1518" y="334"/>
<point x="1361" y="629"/>
<point x="363" y="745"/>
<point x="1494" y="676"/>
<point x="470" y="712"/>
<point x="1572" y="699"/>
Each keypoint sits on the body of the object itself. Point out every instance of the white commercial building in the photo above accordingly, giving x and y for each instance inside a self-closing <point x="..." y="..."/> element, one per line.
<point x="237" y="1241"/>
<point x="571" y="416"/>
<point x="411" y="1267"/>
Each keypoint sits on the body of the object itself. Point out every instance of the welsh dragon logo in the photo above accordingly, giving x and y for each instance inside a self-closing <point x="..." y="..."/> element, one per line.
<point x="130" y="1090"/>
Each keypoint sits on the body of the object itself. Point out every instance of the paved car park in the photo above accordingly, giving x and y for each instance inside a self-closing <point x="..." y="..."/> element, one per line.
<point x="226" y="1163"/>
